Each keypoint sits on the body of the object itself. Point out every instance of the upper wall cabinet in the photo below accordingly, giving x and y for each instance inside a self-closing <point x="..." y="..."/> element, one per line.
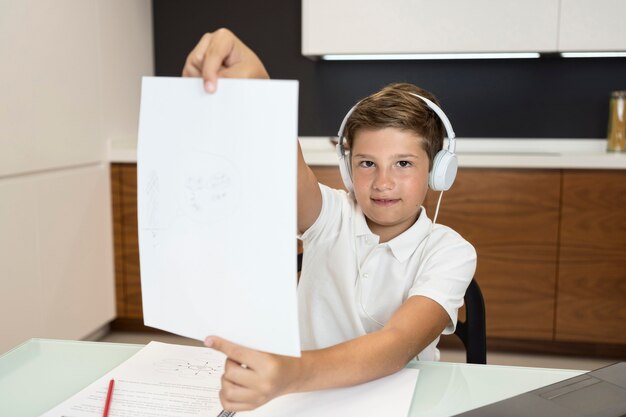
<point x="426" y="26"/>
<point x="449" y="26"/>
<point x="51" y="70"/>
<point x="71" y="76"/>
<point x="592" y="25"/>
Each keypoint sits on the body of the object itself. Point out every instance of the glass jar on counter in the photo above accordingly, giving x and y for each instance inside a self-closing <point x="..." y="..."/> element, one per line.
<point x="616" y="138"/>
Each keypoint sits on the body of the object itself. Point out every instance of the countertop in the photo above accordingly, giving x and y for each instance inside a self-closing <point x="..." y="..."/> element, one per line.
<point x="472" y="153"/>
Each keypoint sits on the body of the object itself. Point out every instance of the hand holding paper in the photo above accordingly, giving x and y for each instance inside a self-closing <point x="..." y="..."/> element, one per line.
<point x="222" y="54"/>
<point x="253" y="378"/>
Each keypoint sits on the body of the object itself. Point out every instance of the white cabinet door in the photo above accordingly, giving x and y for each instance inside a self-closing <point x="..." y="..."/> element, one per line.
<point x="50" y="111"/>
<point x="20" y="288"/>
<point x="56" y="255"/>
<point x="426" y="26"/>
<point x="71" y="72"/>
<point x="75" y="251"/>
<point x="597" y="25"/>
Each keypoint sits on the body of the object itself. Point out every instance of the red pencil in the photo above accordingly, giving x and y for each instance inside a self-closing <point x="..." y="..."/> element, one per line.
<point x="107" y="403"/>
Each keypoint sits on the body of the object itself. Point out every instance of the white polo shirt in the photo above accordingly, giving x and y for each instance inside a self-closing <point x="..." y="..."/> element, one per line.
<point x="350" y="284"/>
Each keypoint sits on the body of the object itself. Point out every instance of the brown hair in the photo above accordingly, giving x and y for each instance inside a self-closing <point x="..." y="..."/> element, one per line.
<point x="395" y="106"/>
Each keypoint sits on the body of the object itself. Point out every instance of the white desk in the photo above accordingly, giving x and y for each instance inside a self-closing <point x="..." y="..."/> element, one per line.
<point x="41" y="373"/>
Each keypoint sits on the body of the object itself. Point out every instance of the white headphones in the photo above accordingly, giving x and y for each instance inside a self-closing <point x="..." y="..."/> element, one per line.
<point x="445" y="163"/>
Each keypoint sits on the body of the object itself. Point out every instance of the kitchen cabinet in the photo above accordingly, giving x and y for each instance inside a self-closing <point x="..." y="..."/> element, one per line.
<point x="551" y="248"/>
<point x="421" y="26"/>
<point x="592" y="25"/>
<point x="43" y="117"/>
<point x="56" y="269"/>
<point x="125" y="233"/>
<point x="591" y="297"/>
<point x="511" y="217"/>
<point x="56" y="247"/>
<point x="459" y="26"/>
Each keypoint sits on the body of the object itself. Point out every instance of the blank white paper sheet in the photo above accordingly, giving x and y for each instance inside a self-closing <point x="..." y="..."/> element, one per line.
<point x="390" y="396"/>
<point x="216" y="195"/>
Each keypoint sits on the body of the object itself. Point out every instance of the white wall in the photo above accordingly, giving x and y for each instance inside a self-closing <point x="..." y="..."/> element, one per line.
<point x="70" y="83"/>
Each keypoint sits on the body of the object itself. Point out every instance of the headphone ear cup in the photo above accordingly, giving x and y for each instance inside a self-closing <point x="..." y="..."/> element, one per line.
<point x="344" y="167"/>
<point x="444" y="169"/>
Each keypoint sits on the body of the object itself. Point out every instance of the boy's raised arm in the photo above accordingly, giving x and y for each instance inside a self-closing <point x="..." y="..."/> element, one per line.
<point x="309" y="195"/>
<point x="222" y="54"/>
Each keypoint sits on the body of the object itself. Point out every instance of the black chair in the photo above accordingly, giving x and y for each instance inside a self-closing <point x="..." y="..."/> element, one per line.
<point x="472" y="331"/>
<point x="299" y="261"/>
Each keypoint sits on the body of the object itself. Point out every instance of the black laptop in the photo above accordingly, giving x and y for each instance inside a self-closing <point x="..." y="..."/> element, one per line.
<point x="599" y="393"/>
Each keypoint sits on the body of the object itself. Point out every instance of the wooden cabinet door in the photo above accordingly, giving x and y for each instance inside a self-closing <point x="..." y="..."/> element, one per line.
<point x="591" y="298"/>
<point x="128" y="283"/>
<point x="118" y="230"/>
<point x="511" y="217"/>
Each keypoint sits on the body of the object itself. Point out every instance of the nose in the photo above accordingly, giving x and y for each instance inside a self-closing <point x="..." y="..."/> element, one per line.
<point x="384" y="180"/>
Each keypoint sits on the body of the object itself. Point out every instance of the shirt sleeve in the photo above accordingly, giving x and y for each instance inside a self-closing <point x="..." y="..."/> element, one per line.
<point x="448" y="268"/>
<point x="327" y="223"/>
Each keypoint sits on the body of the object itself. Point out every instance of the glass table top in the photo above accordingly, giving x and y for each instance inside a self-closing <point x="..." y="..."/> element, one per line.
<point x="41" y="373"/>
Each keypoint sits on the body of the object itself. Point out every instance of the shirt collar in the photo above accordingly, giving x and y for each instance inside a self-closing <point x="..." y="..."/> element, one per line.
<point x="403" y="245"/>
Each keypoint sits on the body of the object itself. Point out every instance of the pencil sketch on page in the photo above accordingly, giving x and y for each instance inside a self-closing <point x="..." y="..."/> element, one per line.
<point x="211" y="185"/>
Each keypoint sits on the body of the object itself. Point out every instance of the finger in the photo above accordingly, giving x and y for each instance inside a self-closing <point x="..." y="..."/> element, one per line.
<point x="233" y="393"/>
<point x="193" y="64"/>
<point x="234" y="72"/>
<point x="238" y="400"/>
<point x="239" y="374"/>
<point x="233" y="351"/>
<point x="235" y="406"/>
<point x="189" y="70"/>
<point x="218" y="52"/>
<point x="243" y="63"/>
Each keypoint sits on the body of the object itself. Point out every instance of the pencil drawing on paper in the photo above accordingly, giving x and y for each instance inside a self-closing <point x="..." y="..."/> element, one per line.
<point x="211" y="190"/>
<point x="189" y="368"/>
<point x="210" y="186"/>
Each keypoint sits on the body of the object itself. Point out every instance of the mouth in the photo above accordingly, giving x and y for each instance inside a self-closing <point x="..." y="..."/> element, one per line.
<point x="385" y="202"/>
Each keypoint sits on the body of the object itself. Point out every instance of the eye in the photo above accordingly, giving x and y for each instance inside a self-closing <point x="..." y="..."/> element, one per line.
<point x="405" y="164"/>
<point x="366" y="164"/>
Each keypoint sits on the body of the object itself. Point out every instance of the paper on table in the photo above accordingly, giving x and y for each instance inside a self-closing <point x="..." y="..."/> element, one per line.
<point x="216" y="194"/>
<point x="177" y="381"/>
<point x="161" y="379"/>
<point x="390" y="396"/>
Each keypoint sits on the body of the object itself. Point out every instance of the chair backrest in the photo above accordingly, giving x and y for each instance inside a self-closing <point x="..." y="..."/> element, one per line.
<point x="472" y="331"/>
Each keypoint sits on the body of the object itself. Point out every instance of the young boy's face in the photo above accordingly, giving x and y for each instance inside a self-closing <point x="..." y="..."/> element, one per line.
<point x="390" y="178"/>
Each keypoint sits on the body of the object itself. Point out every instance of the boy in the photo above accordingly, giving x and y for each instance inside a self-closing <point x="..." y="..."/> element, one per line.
<point x="379" y="283"/>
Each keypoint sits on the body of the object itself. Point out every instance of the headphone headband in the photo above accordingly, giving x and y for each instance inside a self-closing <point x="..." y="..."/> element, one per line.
<point x="442" y="116"/>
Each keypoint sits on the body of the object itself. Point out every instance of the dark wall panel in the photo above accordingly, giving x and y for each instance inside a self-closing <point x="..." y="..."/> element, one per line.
<point x="548" y="97"/>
